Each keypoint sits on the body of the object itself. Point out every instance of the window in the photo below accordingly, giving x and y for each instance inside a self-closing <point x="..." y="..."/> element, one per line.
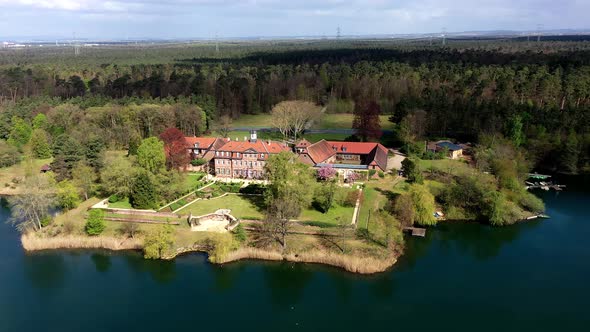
<point x="238" y="155"/>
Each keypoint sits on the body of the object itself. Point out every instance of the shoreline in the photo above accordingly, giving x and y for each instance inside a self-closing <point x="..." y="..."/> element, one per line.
<point x="352" y="264"/>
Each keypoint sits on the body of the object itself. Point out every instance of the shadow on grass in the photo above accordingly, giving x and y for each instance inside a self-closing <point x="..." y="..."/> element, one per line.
<point x="388" y="193"/>
<point x="256" y="201"/>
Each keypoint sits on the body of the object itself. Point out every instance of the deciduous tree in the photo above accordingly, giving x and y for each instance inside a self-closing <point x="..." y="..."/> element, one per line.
<point x="158" y="242"/>
<point x="151" y="156"/>
<point x="33" y="204"/>
<point x="40" y="144"/>
<point x="175" y="147"/>
<point x="366" y="121"/>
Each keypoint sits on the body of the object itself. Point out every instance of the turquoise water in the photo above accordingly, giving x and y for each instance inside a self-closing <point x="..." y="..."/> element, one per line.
<point x="461" y="277"/>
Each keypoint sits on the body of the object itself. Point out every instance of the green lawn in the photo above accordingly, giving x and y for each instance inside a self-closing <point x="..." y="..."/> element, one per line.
<point x="336" y="215"/>
<point x="192" y="179"/>
<point x="19" y="170"/>
<point x="243" y="207"/>
<point x="344" y="121"/>
<point x="122" y="204"/>
<point x="453" y="167"/>
<point x="252" y="207"/>
<point x="329" y="137"/>
<point x="250" y="120"/>
<point x="377" y="193"/>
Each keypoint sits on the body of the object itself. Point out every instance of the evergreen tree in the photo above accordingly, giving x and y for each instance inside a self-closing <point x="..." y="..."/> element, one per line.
<point x="143" y="193"/>
<point x="95" y="223"/>
<point x="411" y="171"/>
<point x="570" y="154"/>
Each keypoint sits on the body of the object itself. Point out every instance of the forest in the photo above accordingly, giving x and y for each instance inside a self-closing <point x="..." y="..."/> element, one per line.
<point x="535" y="94"/>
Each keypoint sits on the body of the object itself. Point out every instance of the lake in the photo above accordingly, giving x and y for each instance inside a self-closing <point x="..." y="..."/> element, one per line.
<point x="462" y="277"/>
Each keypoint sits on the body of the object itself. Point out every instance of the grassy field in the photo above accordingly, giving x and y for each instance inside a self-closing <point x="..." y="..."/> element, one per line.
<point x="249" y="120"/>
<point x="122" y="204"/>
<point x="252" y="207"/>
<point x="344" y="121"/>
<point x="335" y="216"/>
<point x="452" y="167"/>
<point x="327" y="121"/>
<point x="18" y="171"/>
<point x="243" y="207"/>
<point x="376" y="194"/>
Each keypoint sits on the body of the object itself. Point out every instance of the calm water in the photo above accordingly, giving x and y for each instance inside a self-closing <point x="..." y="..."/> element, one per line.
<point x="533" y="276"/>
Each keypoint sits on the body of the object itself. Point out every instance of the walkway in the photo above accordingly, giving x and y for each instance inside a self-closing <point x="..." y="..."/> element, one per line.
<point x="355" y="213"/>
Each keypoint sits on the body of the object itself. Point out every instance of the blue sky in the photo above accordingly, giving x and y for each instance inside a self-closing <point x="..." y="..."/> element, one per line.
<point x="242" y="18"/>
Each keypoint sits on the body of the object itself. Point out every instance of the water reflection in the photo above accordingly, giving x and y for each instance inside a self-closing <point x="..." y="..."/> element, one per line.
<point x="46" y="271"/>
<point x="287" y="282"/>
<point x="226" y="276"/>
<point x="161" y="271"/>
<point x="102" y="262"/>
<point x="479" y="241"/>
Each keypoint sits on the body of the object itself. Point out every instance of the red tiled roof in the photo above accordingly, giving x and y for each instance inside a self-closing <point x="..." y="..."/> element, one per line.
<point x="320" y="151"/>
<point x="353" y="147"/>
<point x="303" y="144"/>
<point x="304" y="158"/>
<point x="376" y="154"/>
<point x="204" y="142"/>
<point x="258" y="146"/>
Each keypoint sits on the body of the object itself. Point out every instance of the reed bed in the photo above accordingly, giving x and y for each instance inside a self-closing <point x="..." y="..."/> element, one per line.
<point x="355" y="264"/>
<point x="31" y="242"/>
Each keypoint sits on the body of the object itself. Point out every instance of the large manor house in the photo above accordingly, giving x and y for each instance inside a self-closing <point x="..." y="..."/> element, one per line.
<point x="245" y="159"/>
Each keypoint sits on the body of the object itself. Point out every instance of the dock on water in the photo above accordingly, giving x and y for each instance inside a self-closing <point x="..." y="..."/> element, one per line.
<point x="415" y="231"/>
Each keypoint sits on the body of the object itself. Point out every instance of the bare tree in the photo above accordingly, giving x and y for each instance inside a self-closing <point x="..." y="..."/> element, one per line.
<point x="224" y="125"/>
<point x="292" y="117"/>
<point x="277" y="224"/>
<point x="30" y="207"/>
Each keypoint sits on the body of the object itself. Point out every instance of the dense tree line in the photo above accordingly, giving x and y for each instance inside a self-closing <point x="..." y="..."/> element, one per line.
<point x="442" y="92"/>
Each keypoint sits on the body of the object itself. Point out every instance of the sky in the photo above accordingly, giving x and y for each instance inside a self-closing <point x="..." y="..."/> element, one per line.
<point x="121" y="19"/>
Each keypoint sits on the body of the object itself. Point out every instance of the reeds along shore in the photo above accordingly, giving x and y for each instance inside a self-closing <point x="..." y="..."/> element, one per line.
<point x="355" y="264"/>
<point x="33" y="243"/>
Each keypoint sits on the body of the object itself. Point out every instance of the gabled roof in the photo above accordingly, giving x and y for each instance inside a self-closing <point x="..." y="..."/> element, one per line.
<point x="258" y="146"/>
<point x="219" y="142"/>
<point x="303" y="144"/>
<point x="204" y="142"/>
<point x="320" y="151"/>
<point x="353" y="147"/>
<point x="378" y="157"/>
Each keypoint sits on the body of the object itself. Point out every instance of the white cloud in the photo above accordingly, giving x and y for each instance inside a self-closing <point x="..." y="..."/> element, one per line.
<point x="288" y="17"/>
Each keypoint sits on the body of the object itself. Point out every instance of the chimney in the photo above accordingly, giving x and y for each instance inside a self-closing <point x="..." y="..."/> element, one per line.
<point x="253" y="136"/>
<point x="245" y="138"/>
<point x="236" y="139"/>
<point x="269" y="141"/>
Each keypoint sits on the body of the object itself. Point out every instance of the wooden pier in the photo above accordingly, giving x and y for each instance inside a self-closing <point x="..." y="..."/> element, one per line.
<point x="415" y="231"/>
